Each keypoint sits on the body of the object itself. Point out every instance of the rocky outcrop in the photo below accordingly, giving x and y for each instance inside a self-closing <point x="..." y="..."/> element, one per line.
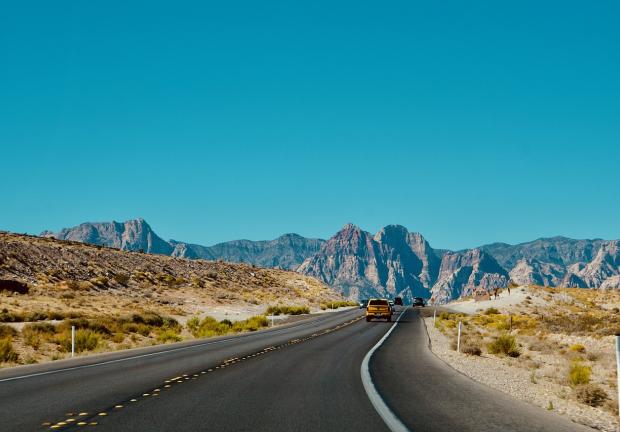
<point x="133" y="235"/>
<point x="533" y="272"/>
<point x="554" y="250"/>
<point x="605" y="265"/>
<point x="463" y="273"/>
<point x="395" y="262"/>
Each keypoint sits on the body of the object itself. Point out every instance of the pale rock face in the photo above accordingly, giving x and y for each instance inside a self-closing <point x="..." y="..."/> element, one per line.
<point x="533" y="272"/>
<point x="612" y="282"/>
<point x="132" y="235"/>
<point x="605" y="265"/>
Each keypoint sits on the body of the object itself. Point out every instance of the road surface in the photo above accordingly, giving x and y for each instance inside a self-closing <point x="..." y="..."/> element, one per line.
<point x="303" y="377"/>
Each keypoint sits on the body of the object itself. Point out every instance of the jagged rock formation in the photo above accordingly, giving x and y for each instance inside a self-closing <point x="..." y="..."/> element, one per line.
<point x="396" y="262"/>
<point x="286" y="252"/>
<point x="131" y="235"/>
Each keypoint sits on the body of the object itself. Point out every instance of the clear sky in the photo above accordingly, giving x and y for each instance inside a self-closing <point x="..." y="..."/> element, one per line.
<point x="470" y="122"/>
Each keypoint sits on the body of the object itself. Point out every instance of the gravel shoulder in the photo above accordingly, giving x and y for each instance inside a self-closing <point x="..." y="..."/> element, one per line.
<point x="519" y="383"/>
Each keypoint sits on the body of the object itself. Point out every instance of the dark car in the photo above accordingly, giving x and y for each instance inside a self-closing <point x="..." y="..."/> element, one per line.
<point x="363" y="303"/>
<point x="398" y="301"/>
<point x="418" y="301"/>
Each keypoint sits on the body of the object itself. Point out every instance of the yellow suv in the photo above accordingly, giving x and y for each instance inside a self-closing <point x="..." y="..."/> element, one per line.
<point x="378" y="308"/>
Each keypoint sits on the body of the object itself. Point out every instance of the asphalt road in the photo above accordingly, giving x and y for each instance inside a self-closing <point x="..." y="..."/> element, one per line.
<point x="304" y="377"/>
<point x="428" y="395"/>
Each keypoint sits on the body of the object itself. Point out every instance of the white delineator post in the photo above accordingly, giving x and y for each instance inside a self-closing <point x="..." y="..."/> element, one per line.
<point x="72" y="341"/>
<point x="458" y="340"/>
<point x="434" y="316"/>
<point x="618" y="368"/>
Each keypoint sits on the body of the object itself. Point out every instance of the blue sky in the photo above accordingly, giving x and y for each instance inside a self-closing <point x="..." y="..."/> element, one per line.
<point x="470" y="122"/>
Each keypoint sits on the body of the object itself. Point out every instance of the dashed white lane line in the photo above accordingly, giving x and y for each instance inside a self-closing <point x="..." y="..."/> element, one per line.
<point x="390" y="419"/>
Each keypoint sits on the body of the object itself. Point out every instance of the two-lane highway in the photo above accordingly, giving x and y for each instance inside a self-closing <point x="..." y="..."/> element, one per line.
<point x="305" y="377"/>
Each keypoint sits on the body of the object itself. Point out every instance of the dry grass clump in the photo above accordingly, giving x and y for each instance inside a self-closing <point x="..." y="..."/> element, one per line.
<point x="505" y="344"/>
<point x="579" y="373"/>
<point x="591" y="394"/>
<point x="7" y="353"/>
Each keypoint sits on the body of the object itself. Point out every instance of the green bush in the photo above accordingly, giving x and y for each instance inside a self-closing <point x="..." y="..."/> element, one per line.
<point x="209" y="326"/>
<point x="251" y="324"/>
<point x="168" y="335"/>
<point x="7" y="353"/>
<point x="505" y="344"/>
<point x="579" y="374"/>
<point x="491" y="311"/>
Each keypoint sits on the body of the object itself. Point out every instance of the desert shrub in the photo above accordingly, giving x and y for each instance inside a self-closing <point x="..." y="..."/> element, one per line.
<point x="7" y="353"/>
<point x="251" y="324"/>
<point x="208" y="327"/>
<point x="148" y="318"/>
<point x="118" y="337"/>
<point x="227" y="322"/>
<point x="287" y="310"/>
<point x="471" y="347"/>
<point x="505" y="344"/>
<point x="193" y="324"/>
<point x="579" y="373"/>
<point x="591" y="394"/>
<point x="211" y="275"/>
<point x="491" y="311"/>
<point x="7" y="331"/>
<point x="337" y="304"/>
<point x="578" y="348"/>
<point x="168" y="335"/>
<point x="104" y="326"/>
<point x="85" y="340"/>
<point x="36" y="333"/>
<point x="131" y="327"/>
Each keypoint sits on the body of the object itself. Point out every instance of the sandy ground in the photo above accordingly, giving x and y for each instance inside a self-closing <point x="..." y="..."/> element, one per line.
<point x="519" y="383"/>
<point x="504" y="302"/>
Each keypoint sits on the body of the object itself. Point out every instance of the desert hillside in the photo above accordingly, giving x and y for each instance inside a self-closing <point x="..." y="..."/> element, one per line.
<point x="136" y="298"/>
<point x="552" y="347"/>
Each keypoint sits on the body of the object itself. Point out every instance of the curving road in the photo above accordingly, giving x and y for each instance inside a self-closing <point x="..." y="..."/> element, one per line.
<point x="302" y="377"/>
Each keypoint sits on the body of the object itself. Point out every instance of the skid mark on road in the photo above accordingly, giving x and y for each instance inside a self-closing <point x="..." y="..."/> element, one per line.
<point x="79" y="419"/>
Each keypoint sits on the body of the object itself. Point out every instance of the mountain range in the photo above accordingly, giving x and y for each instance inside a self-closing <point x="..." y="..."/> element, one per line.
<point x="391" y="262"/>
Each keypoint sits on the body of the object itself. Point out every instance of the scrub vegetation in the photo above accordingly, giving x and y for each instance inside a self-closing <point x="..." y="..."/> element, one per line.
<point x="561" y="336"/>
<point x="119" y="299"/>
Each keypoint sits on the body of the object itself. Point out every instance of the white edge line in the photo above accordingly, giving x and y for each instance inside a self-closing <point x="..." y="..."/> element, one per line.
<point x="390" y="419"/>
<point x="157" y="353"/>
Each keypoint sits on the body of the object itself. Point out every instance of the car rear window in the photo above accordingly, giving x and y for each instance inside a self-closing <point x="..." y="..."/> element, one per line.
<point x="378" y="303"/>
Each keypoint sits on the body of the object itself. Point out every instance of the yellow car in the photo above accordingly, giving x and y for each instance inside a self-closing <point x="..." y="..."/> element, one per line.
<point x="378" y="308"/>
